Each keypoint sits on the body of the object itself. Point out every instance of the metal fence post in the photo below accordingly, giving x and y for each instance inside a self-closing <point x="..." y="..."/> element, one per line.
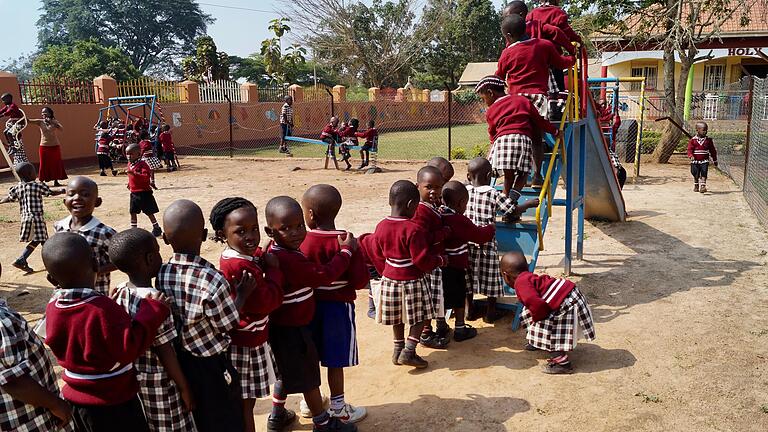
<point x="751" y="96"/>
<point x="331" y="94"/>
<point x="450" y="119"/>
<point x="230" y="120"/>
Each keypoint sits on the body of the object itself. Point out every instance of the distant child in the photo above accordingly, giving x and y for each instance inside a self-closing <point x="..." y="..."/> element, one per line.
<point x="81" y="199"/>
<point x="535" y="29"/>
<point x="334" y="328"/>
<point x="555" y="312"/>
<point x="286" y="124"/>
<point x="349" y="139"/>
<point x="512" y="120"/>
<point x="463" y="231"/>
<point x="235" y="222"/>
<point x="102" y="153"/>
<point x="290" y="334"/>
<point x="403" y="257"/>
<point x="205" y="314"/>
<point x="371" y="136"/>
<point x="169" y="149"/>
<point x="148" y="156"/>
<point x="485" y="202"/>
<point x="550" y="13"/>
<point x="445" y="167"/>
<point x="700" y="149"/>
<point x="95" y="340"/>
<point x="140" y="185"/>
<point x="12" y="134"/>
<point x="29" y="193"/>
<point x="130" y="134"/>
<point x="154" y="135"/>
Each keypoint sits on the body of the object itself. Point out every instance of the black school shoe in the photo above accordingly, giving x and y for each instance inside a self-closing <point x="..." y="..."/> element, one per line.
<point x="558" y="368"/>
<point x="410" y="358"/>
<point x="279" y="423"/>
<point x="335" y="425"/>
<point x="464" y="333"/>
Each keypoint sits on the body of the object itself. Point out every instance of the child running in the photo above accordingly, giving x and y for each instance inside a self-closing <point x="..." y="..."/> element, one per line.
<point x="29" y="193"/>
<point x="140" y="185"/>
<point x="15" y="144"/>
<point x="289" y="334"/>
<point x="163" y="389"/>
<point x="169" y="149"/>
<point x="555" y="312"/>
<point x="148" y="156"/>
<point x="371" y="136"/>
<point x="235" y="222"/>
<point x="334" y="329"/>
<point x="95" y="340"/>
<point x="700" y="149"/>
<point x="81" y="199"/>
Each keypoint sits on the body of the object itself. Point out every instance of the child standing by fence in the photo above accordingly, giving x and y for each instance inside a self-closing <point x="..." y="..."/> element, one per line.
<point x="286" y="124"/>
<point x="700" y="149"/>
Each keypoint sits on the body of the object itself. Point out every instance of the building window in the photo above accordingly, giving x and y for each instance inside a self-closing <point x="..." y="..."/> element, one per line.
<point x="649" y="72"/>
<point x="714" y="77"/>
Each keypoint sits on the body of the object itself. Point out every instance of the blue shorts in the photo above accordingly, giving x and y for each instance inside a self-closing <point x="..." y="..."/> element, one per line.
<point x="335" y="334"/>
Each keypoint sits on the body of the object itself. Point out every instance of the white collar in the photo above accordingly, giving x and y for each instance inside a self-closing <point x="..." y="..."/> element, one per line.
<point x="481" y="189"/>
<point x="67" y="222"/>
<point x="230" y="253"/>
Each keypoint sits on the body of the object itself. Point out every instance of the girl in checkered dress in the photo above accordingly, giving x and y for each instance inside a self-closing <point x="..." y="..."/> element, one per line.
<point x="163" y="389"/>
<point x="555" y="312"/>
<point x="148" y="155"/>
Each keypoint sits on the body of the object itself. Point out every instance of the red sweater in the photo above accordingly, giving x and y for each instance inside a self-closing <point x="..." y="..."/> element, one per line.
<point x="351" y="133"/>
<point x="555" y="16"/>
<point x="541" y="294"/>
<point x="701" y="149"/>
<point x="139" y="176"/>
<point x="430" y="220"/>
<point x="370" y="135"/>
<point x="166" y="141"/>
<point x="252" y="329"/>
<point x="515" y="114"/>
<point x="371" y="252"/>
<point x="525" y="65"/>
<point x="300" y="278"/>
<point x="462" y="232"/>
<point x="329" y="132"/>
<point x="12" y="110"/>
<point x="538" y="30"/>
<point x="90" y="334"/>
<point x="146" y="148"/>
<point x="323" y="246"/>
<point x="404" y="248"/>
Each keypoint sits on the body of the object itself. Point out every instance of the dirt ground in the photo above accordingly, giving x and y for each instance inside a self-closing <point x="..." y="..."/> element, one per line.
<point x="678" y="292"/>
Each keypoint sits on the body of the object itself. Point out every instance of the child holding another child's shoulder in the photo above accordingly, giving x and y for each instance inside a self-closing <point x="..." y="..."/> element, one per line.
<point x="140" y="185"/>
<point x="371" y="136"/>
<point x="700" y="149"/>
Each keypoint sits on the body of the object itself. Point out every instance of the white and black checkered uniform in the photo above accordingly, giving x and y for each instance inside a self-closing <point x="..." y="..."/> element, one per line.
<point x="286" y="115"/>
<point x="539" y="101"/>
<point x="202" y="306"/>
<point x="15" y="144"/>
<point x="98" y="236"/>
<point x="22" y="354"/>
<point x="552" y="84"/>
<point x="256" y="367"/>
<point x="435" y="283"/>
<point x="153" y="162"/>
<point x="158" y="393"/>
<point x="402" y="302"/>
<point x="512" y="152"/>
<point x="614" y="159"/>
<point x="483" y="274"/>
<point x="30" y="198"/>
<point x="564" y="326"/>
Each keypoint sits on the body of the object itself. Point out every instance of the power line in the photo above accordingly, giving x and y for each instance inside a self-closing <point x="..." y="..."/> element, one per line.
<point x="238" y="8"/>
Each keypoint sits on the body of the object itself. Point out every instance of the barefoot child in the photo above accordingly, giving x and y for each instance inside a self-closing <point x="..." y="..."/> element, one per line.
<point x="29" y="193"/>
<point x="235" y="222"/>
<point x="700" y="149"/>
<point x="333" y="327"/>
<point x="81" y="198"/>
<point x="140" y="185"/>
<point x="485" y="202"/>
<point x="163" y="389"/>
<point x="555" y="312"/>
<point x="289" y="334"/>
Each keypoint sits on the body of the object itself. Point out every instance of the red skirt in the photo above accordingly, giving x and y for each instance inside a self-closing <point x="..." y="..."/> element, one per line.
<point x="51" y="166"/>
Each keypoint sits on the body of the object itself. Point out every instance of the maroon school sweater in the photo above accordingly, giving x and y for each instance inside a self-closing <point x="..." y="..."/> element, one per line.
<point x="541" y="294"/>
<point x="525" y="65"/>
<point x="514" y="114"/>
<point x="404" y="247"/>
<point x="554" y="15"/>
<point x="463" y="231"/>
<point x="321" y="247"/>
<point x="538" y="30"/>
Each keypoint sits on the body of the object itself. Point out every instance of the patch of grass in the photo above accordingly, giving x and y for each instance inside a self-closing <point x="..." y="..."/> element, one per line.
<point x="648" y="398"/>
<point x="764" y="408"/>
<point x="6" y="219"/>
<point x="761" y="332"/>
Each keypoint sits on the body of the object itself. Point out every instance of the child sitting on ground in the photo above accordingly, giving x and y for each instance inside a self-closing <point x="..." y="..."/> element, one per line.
<point x="95" y="340"/>
<point x="148" y="156"/>
<point x="333" y="327"/>
<point x="163" y="389"/>
<point x="81" y="199"/>
<point x="485" y="202"/>
<point x="235" y="222"/>
<point x="140" y="185"/>
<point x="205" y="313"/>
<point x="289" y="334"/>
<point x="555" y="312"/>
<point x="29" y="193"/>
<point x="700" y="149"/>
<point x="169" y="149"/>
<point x="371" y="136"/>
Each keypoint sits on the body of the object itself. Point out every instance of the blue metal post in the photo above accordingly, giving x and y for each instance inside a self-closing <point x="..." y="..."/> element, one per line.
<point x="569" y="199"/>
<point x="582" y="185"/>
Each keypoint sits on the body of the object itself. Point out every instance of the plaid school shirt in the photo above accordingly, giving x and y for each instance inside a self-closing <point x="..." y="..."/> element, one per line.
<point x="204" y="311"/>
<point x="30" y="197"/>
<point x="98" y="236"/>
<point x="22" y="354"/>
<point x="485" y="202"/>
<point x="286" y="115"/>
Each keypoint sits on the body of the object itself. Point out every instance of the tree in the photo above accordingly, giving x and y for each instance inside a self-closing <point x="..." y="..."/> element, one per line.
<point x="20" y="66"/>
<point x="280" y="65"/>
<point x="207" y="64"/>
<point x="153" y="33"/>
<point x="252" y="68"/>
<point x="85" y="60"/>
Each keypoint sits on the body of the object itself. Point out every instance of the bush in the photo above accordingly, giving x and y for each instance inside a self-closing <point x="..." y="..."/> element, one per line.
<point x="458" y="153"/>
<point x="479" y="151"/>
<point x="465" y="97"/>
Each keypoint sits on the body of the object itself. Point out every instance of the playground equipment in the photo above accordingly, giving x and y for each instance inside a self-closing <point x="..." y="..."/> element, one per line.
<point x="330" y="153"/>
<point x="14" y="131"/>
<point x="122" y="108"/>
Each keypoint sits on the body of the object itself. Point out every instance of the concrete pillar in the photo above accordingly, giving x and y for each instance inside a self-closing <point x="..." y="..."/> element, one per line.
<point x="425" y="95"/>
<point x="106" y="87"/>
<point x="190" y="92"/>
<point x="339" y="93"/>
<point x="445" y="95"/>
<point x="297" y="92"/>
<point x="373" y="94"/>
<point x="9" y="83"/>
<point x="402" y="95"/>
<point x="249" y="92"/>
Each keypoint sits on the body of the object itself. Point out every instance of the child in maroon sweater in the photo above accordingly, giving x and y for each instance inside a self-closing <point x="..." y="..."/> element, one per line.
<point x="95" y="340"/>
<point x="169" y="149"/>
<point x="700" y="149"/>
<point x="140" y="185"/>
<point x="289" y="334"/>
<point x="334" y="326"/>
<point x="536" y="29"/>
<point x="371" y="136"/>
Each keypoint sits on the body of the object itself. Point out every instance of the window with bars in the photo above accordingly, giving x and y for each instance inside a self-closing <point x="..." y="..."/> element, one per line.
<point x="650" y="73"/>
<point x="714" y="77"/>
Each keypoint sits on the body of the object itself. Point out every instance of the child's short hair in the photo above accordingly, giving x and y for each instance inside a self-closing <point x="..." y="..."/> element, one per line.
<point x="490" y="82"/>
<point x="104" y="135"/>
<point x="223" y="208"/>
<point x="144" y="134"/>
<point x="166" y="127"/>
<point x="514" y="26"/>
<point x="126" y="246"/>
<point x="427" y="170"/>
<point x="324" y="200"/>
<point x="26" y="171"/>
<point x="355" y="123"/>
<point x="371" y="123"/>
<point x="401" y="192"/>
<point x="6" y="96"/>
<point x="454" y="193"/>
<point x="515" y="7"/>
<point x="280" y="204"/>
<point x="702" y="124"/>
<point x="104" y="124"/>
<point x="65" y="254"/>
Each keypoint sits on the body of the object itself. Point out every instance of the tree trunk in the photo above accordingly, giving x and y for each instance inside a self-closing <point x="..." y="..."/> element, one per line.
<point x="671" y="135"/>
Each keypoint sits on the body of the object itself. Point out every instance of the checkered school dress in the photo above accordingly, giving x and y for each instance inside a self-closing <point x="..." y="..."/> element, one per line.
<point x="435" y="283"/>
<point x="256" y="366"/>
<point x="539" y="101"/>
<point x="22" y="354"/>
<point x="98" y="236"/>
<point x="483" y="274"/>
<point x="158" y="393"/>
<point x="201" y="304"/>
<point x="16" y="146"/>
<point x="402" y="302"/>
<point x="152" y="160"/>
<point x="564" y="327"/>
<point x="30" y="198"/>
<point x="512" y="152"/>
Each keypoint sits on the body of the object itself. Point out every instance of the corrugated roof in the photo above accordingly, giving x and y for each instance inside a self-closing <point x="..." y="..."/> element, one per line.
<point x="474" y="72"/>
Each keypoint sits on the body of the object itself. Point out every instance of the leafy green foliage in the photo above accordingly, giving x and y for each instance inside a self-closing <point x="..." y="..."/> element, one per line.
<point x="85" y="60"/>
<point x="207" y="63"/>
<point x="278" y="65"/>
<point x="459" y="153"/>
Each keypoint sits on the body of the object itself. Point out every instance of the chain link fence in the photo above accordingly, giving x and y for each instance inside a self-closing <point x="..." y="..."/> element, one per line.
<point x="755" y="183"/>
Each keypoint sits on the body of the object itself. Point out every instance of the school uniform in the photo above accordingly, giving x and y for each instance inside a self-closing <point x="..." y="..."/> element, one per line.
<point x="286" y="120"/>
<point x="102" y="152"/>
<point x="22" y="354"/>
<point x="483" y="274"/>
<point x="139" y="183"/>
<point x="30" y="197"/>
<point x="371" y="136"/>
<point x="290" y="334"/>
<point x="428" y="218"/>
<point x="249" y="351"/>
<point x="96" y="342"/>
<point x="204" y="313"/>
<point x="555" y="312"/>
<point x="403" y="257"/>
<point x="700" y="150"/>
<point x="148" y="155"/>
<point x="333" y="326"/>
<point x="15" y="145"/>
<point x="538" y="30"/>
<point x="169" y="149"/>
<point x="98" y="236"/>
<point x="549" y="14"/>
<point x="329" y="134"/>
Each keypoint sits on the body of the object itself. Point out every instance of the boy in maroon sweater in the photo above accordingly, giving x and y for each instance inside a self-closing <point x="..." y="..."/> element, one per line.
<point x="535" y="29"/>
<point x="555" y="311"/>
<point x="289" y="334"/>
<point x="140" y="185"/>
<point x="371" y="136"/>
<point x="95" y="340"/>
<point x="334" y="327"/>
<point x="549" y="13"/>
<point x="700" y="149"/>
